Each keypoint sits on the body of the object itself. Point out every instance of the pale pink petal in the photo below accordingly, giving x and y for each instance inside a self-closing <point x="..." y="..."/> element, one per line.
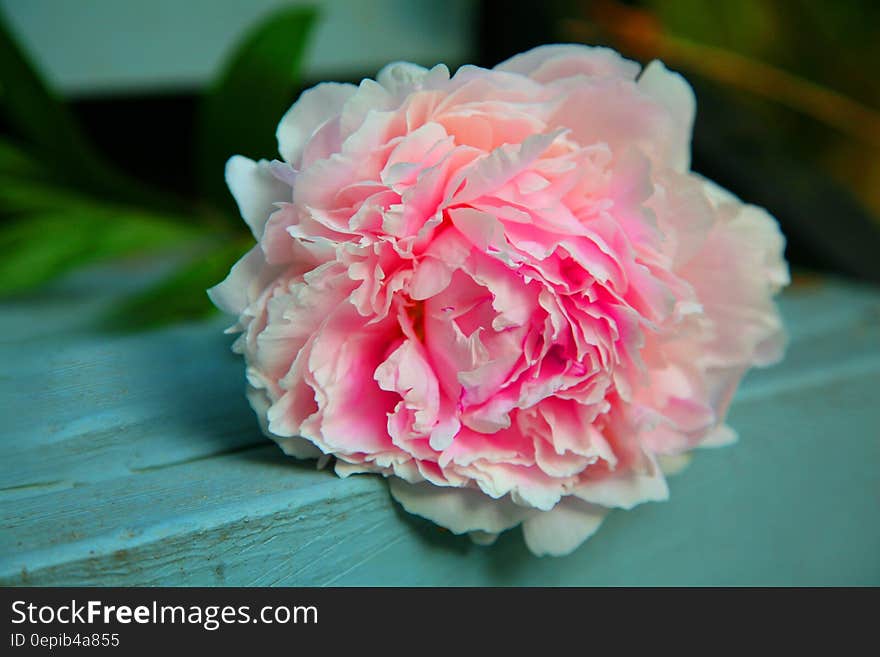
<point x="720" y="436"/>
<point x="676" y="95"/>
<point x="547" y="63"/>
<point x="256" y="190"/>
<point x="563" y="529"/>
<point x="498" y="167"/>
<point x="246" y="281"/>
<point x="673" y="464"/>
<point x="402" y="78"/>
<point x="503" y="290"/>
<point x="314" y="107"/>
<point x="626" y="489"/>
<point x="460" y="510"/>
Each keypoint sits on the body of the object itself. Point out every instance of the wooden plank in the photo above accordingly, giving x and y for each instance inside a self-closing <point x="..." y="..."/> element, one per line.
<point x="81" y="404"/>
<point x="134" y="460"/>
<point x="105" y="406"/>
<point x="97" y="406"/>
<point x="772" y="510"/>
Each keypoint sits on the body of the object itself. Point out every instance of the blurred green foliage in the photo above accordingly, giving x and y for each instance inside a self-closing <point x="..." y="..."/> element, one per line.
<point x="796" y="67"/>
<point x="241" y="109"/>
<point x="806" y="70"/>
<point x="788" y="106"/>
<point x="833" y="47"/>
<point x="62" y="205"/>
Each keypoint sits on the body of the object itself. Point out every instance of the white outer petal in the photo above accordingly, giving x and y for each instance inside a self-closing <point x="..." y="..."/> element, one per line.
<point x="344" y="469"/>
<point x="673" y="92"/>
<point x="604" y="60"/>
<point x="716" y="193"/>
<point x="764" y="230"/>
<point x="299" y="448"/>
<point x="314" y="108"/>
<point x="483" y="538"/>
<point x="256" y="190"/>
<point x="403" y="78"/>
<point x="294" y="446"/>
<point x="625" y="490"/>
<point x="564" y="528"/>
<point x="673" y="464"/>
<point x="720" y="436"/>
<point x="460" y="510"/>
<point x="245" y="282"/>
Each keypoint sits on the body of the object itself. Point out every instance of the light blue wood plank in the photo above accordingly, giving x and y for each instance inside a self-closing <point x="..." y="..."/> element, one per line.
<point x="772" y="510"/>
<point x="134" y="460"/>
<point x="80" y="404"/>
<point x="104" y="406"/>
<point x="175" y="395"/>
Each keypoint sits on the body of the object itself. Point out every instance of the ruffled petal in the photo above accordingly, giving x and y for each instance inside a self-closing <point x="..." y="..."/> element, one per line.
<point x="551" y="62"/>
<point x="563" y="529"/>
<point x="256" y="190"/>
<point x="246" y="280"/>
<point x="460" y="510"/>
<point x="675" y="94"/>
<point x="314" y="108"/>
<point x="625" y="490"/>
<point x="504" y="289"/>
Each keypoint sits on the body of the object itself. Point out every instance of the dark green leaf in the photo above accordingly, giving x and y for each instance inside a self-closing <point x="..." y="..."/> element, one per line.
<point x="41" y="245"/>
<point x="15" y="162"/>
<point x="182" y="295"/>
<point x="21" y="194"/>
<point x="35" y="111"/>
<point x="39" y="117"/>
<point x="249" y="97"/>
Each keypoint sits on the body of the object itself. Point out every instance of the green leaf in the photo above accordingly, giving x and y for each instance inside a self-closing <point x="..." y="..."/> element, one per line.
<point x="36" y="112"/>
<point x="180" y="296"/>
<point x="39" y="117"/>
<point x="21" y="194"/>
<point x="41" y="245"/>
<point x="17" y="172"/>
<point x="15" y="162"/>
<point x="247" y="100"/>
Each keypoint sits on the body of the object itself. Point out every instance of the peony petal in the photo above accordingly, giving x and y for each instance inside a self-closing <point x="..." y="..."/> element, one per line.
<point x="431" y="277"/>
<point x="307" y="115"/>
<point x="625" y="490"/>
<point x="621" y="116"/>
<point x="460" y="510"/>
<point x="720" y="436"/>
<point x="246" y="280"/>
<point x="673" y="464"/>
<point x="504" y="290"/>
<point x="345" y="469"/>
<point x="407" y="373"/>
<point x="496" y="169"/>
<point x="483" y="538"/>
<point x="482" y="229"/>
<point x="562" y="529"/>
<point x="402" y="78"/>
<point x="551" y="62"/>
<point x="299" y="448"/>
<point x="673" y="92"/>
<point x="256" y="190"/>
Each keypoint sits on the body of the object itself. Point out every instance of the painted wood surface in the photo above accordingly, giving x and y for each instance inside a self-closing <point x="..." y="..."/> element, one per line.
<point x="135" y="460"/>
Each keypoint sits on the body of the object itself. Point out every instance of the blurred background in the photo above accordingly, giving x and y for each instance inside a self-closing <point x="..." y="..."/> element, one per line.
<point x="117" y="117"/>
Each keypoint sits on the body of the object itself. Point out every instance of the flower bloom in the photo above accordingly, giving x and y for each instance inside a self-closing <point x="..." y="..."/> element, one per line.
<point x="504" y="289"/>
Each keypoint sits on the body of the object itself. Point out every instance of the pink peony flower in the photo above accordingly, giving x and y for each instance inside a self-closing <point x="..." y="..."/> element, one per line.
<point x="504" y="290"/>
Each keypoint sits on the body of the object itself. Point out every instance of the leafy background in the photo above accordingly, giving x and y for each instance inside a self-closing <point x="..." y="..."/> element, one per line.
<point x="788" y="95"/>
<point x="63" y="205"/>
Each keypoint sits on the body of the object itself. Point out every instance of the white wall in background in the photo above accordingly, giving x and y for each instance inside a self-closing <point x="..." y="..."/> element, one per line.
<point x="101" y="46"/>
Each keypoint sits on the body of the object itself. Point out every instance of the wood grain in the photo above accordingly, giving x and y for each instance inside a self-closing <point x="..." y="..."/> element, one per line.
<point x="134" y="460"/>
